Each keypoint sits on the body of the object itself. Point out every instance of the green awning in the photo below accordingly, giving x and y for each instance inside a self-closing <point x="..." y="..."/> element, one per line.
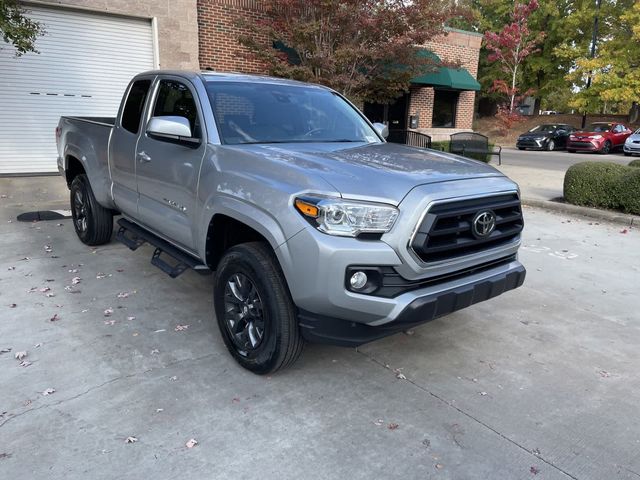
<point x="453" y="78"/>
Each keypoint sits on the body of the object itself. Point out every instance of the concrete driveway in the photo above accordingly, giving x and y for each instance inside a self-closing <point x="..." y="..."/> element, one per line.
<point x="541" y="382"/>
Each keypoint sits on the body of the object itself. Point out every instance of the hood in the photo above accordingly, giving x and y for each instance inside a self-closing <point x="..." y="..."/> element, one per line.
<point x="535" y="134"/>
<point x="583" y="133"/>
<point x="385" y="172"/>
<point x="634" y="137"/>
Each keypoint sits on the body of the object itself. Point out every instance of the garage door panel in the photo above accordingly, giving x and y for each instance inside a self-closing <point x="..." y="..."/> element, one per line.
<point x="85" y="63"/>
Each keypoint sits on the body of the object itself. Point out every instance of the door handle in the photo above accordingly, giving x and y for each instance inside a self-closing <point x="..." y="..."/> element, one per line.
<point x="143" y="157"/>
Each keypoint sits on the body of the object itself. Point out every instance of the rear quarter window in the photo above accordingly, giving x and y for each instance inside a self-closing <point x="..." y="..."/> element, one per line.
<point x="134" y="105"/>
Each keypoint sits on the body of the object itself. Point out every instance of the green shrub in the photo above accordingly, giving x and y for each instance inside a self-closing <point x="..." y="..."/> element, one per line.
<point x="603" y="185"/>
<point x="635" y="163"/>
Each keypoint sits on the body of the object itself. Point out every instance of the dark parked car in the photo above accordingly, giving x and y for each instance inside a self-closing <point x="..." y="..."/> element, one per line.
<point x="601" y="137"/>
<point x="550" y="136"/>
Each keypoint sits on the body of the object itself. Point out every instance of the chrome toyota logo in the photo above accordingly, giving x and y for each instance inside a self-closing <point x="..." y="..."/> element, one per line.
<point x="483" y="224"/>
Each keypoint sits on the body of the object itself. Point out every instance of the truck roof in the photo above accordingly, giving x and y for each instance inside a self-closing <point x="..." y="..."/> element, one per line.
<point x="213" y="76"/>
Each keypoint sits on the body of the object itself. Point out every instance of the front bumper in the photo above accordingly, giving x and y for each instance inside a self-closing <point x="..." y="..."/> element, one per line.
<point x="532" y="144"/>
<point x="587" y="146"/>
<point x="631" y="148"/>
<point x="424" y="308"/>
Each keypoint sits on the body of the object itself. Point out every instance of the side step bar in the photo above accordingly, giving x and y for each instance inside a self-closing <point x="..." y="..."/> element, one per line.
<point x="133" y="236"/>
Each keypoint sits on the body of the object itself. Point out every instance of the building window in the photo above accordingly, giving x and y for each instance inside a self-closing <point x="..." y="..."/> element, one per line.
<point x="444" y="109"/>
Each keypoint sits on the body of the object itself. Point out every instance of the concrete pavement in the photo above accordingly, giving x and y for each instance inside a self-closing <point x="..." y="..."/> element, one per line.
<point x="538" y="383"/>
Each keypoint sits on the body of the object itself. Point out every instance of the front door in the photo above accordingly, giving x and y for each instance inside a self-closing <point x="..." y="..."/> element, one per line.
<point x="168" y="169"/>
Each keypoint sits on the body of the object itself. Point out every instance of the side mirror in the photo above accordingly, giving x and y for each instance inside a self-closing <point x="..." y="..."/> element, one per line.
<point x="170" y="126"/>
<point x="382" y="129"/>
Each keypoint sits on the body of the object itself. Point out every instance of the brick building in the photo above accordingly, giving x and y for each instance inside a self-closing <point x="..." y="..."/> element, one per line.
<point x="438" y="103"/>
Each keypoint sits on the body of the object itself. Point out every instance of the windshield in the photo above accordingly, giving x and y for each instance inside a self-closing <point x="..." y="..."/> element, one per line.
<point x="544" y="128"/>
<point x="268" y="113"/>
<point x="600" y="127"/>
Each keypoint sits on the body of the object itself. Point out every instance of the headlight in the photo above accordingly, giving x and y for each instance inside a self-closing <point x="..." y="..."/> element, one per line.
<point x="346" y="218"/>
<point x="595" y="137"/>
<point x="572" y="137"/>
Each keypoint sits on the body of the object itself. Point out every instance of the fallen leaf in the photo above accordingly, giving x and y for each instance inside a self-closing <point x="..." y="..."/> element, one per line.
<point x="37" y="345"/>
<point x="108" y="312"/>
<point x="393" y="426"/>
<point x="73" y="270"/>
<point x="180" y="328"/>
<point x="604" y="374"/>
<point x="21" y="355"/>
<point x="25" y="363"/>
<point x="624" y="231"/>
<point x="101" y="275"/>
<point x="32" y="289"/>
<point x="439" y="466"/>
<point x="155" y="351"/>
<point x="191" y="443"/>
<point x="25" y="259"/>
<point x="11" y="268"/>
<point x="75" y="280"/>
<point x="49" y="391"/>
<point x="131" y="440"/>
<point x="158" y="410"/>
<point x="123" y="295"/>
<point x="13" y="305"/>
<point x="55" y="318"/>
<point x="174" y="378"/>
<point x="409" y="332"/>
<point x="534" y="470"/>
<point x="45" y="289"/>
<point x="109" y="322"/>
<point x="5" y="350"/>
<point x="131" y="318"/>
<point x="84" y="311"/>
<point x="379" y="422"/>
<point x="119" y="270"/>
<point x="48" y="248"/>
<point x="50" y="295"/>
<point x="159" y="331"/>
<point x="483" y="393"/>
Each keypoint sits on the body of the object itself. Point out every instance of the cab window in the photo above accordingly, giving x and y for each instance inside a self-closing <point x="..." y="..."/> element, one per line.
<point x="134" y="105"/>
<point x="175" y="99"/>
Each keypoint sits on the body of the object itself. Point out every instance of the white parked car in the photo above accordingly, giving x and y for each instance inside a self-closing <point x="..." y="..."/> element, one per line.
<point x="632" y="144"/>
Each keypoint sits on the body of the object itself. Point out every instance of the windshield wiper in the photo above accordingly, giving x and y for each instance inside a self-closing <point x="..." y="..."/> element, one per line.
<point x="344" y="140"/>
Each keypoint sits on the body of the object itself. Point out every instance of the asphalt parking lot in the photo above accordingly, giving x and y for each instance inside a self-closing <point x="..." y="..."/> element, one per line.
<point x="541" y="382"/>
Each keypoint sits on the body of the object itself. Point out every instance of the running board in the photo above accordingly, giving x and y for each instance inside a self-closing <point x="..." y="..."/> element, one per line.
<point x="133" y="236"/>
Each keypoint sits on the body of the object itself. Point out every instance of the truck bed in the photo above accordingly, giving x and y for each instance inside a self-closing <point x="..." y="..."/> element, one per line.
<point x="107" y="121"/>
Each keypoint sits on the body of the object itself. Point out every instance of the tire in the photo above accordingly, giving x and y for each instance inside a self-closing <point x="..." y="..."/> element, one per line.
<point x="264" y="339"/>
<point x="93" y="223"/>
<point x="570" y="151"/>
<point x="551" y="146"/>
<point x="627" y="154"/>
<point x="520" y="148"/>
<point x="606" y="148"/>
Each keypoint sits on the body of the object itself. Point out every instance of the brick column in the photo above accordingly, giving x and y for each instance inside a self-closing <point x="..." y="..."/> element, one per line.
<point x="464" y="110"/>
<point x="421" y="104"/>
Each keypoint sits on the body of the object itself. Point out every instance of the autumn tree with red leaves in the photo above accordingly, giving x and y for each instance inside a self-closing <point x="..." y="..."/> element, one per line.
<point x="511" y="46"/>
<point x="365" y="49"/>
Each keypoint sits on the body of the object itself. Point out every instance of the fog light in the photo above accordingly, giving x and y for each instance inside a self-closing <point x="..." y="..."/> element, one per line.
<point x="358" y="280"/>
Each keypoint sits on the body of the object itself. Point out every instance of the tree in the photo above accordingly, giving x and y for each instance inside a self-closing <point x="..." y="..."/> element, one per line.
<point x="511" y="46"/>
<point x="365" y="49"/>
<point x="615" y="70"/>
<point x="17" y="29"/>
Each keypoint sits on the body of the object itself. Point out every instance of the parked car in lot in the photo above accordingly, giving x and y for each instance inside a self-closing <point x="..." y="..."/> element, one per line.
<point x="632" y="144"/>
<point x="601" y="137"/>
<point x="549" y="136"/>
<point x="316" y="228"/>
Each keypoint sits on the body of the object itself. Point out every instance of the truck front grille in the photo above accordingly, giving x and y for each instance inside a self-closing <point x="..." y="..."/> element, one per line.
<point x="447" y="231"/>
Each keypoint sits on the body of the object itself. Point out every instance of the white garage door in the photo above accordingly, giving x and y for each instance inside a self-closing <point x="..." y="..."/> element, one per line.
<point x="84" y="65"/>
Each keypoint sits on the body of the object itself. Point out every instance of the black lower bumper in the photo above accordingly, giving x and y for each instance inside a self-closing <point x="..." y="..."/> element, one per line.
<point x="321" y="329"/>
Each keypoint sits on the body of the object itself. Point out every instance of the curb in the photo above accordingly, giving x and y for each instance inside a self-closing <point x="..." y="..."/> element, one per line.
<point x="615" y="217"/>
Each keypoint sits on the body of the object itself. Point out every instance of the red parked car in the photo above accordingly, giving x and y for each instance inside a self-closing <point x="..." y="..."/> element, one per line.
<point x="601" y="137"/>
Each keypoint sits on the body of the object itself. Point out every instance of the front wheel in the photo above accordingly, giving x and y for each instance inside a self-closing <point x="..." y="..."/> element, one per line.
<point x="606" y="148"/>
<point x="551" y="145"/>
<point x="254" y="310"/>
<point x="627" y="154"/>
<point x="93" y="223"/>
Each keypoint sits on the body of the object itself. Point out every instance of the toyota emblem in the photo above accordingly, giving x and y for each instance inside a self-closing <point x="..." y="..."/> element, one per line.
<point x="483" y="224"/>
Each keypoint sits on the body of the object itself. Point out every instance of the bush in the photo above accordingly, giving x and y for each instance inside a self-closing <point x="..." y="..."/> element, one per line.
<point x="635" y="163"/>
<point x="603" y="185"/>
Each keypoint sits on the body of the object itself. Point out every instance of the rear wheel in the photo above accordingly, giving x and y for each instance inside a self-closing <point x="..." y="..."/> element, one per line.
<point x="606" y="148"/>
<point x="254" y="310"/>
<point x="93" y="223"/>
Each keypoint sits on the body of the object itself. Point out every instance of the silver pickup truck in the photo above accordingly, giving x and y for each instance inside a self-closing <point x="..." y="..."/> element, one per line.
<point x="317" y="229"/>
